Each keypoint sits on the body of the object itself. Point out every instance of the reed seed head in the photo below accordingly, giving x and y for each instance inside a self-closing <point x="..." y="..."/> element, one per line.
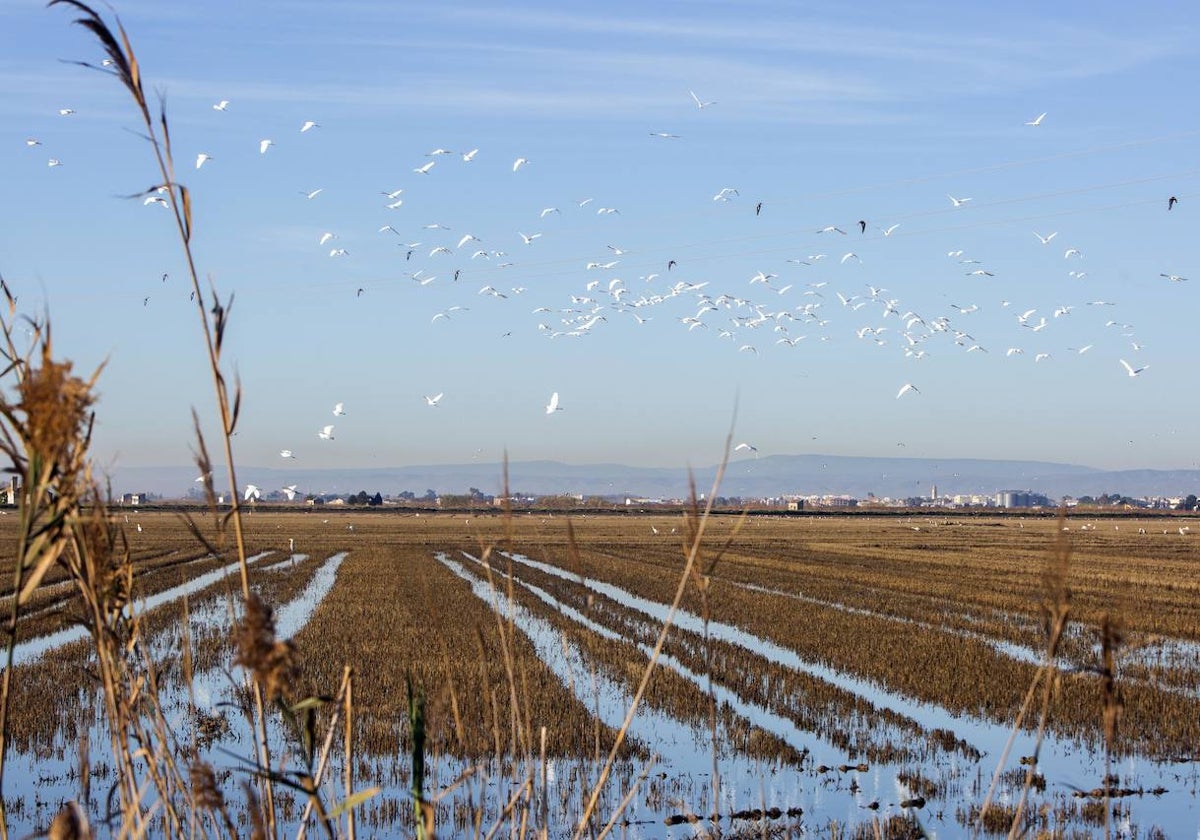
<point x="271" y="661"/>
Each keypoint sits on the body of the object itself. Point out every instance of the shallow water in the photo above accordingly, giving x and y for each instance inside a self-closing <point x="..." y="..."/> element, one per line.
<point x="685" y="750"/>
<point x="31" y="650"/>
<point x="1066" y="764"/>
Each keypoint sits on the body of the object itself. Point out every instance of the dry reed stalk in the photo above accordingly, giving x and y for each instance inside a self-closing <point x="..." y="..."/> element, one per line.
<point x="342" y="703"/>
<point x="1056" y="609"/>
<point x="545" y="799"/>
<point x="125" y="67"/>
<point x="45" y="434"/>
<point x="702" y="579"/>
<point x="509" y="807"/>
<point x="1111" y="639"/>
<point x="693" y="553"/>
<point x="629" y="794"/>
<point x="349" y="757"/>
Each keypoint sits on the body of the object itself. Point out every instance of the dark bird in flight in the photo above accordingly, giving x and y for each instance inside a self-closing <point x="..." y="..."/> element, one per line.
<point x="1171" y="202"/>
<point x="408" y="256"/>
<point x="862" y="225"/>
<point x="670" y="264"/>
<point x="360" y="291"/>
<point x="758" y="209"/>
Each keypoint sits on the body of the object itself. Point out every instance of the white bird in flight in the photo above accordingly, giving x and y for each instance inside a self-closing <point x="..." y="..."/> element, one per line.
<point x="1045" y="240"/>
<point x="252" y="492"/>
<point x="908" y="386"/>
<point x="424" y="170"/>
<point x="528" y="239"/>
<point x="470" y="156"/>
<point x="1130" y="369"/>
<point x="286" y="453"/>
<point x="553" y="405"/>
<point x="54" y="162"/>
<point x="1037" y="120"/>
<point x="222" y="105"/>
<point x="957" y="202"/>
<point x="326" y="433"/>
<point x="264" y="144"/>
<point x="746" y="446"/>
<point x="519" y="162"/>
<point x="433" y="401"/>
<point x="339" y="410"/>
<point x="202" y="159"/>
<point x="700" y="104"/>
<point x="308" y="124"/>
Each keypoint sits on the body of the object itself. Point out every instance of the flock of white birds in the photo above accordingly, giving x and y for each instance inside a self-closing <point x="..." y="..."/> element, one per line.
<point x="757" y="312"/>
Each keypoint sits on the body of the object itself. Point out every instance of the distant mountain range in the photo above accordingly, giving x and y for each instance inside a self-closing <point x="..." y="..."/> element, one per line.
<point x="772" y="475"/>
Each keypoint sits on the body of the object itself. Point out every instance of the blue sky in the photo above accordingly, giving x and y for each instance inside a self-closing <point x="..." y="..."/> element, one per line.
<point x="827" y="114"/>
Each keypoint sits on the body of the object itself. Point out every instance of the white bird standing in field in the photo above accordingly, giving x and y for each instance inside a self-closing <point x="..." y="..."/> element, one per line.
<point x="326" y="433"/>
<point x="434" y="400"/>
<point x="553" y="405"/>
<point x="906" y="388"/>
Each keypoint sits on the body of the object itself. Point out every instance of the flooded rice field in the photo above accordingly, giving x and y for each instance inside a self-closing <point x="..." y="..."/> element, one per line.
<point x="839" y="677"/>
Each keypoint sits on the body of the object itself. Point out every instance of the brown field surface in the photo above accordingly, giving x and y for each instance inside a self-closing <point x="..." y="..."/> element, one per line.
<point x="921" y="612"/>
